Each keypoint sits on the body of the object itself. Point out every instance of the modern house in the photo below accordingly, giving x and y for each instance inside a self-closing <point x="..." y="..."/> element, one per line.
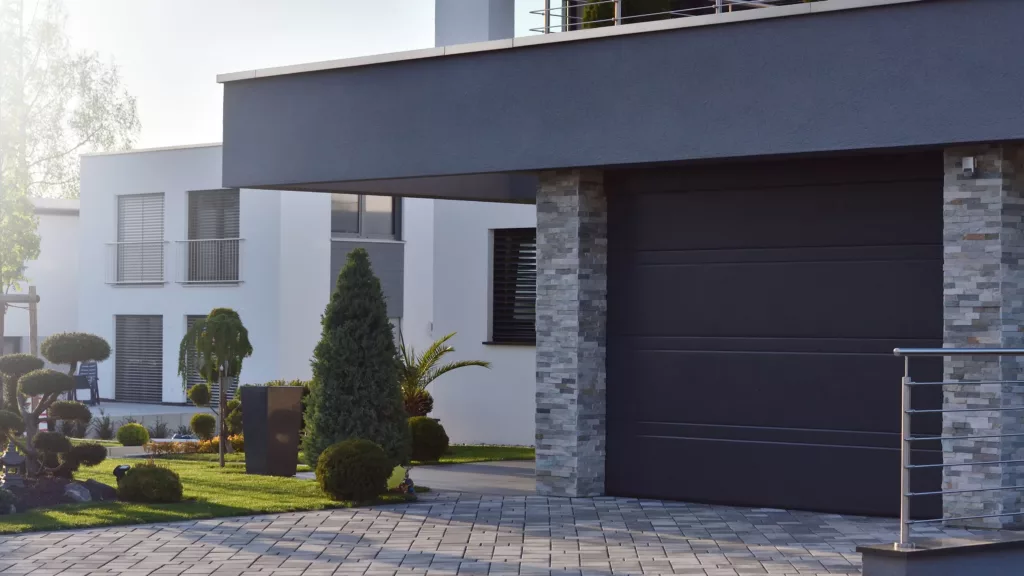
<point x="161" y="243"/>
<point x="739" y="216"/>
<point x="53" y="274"/>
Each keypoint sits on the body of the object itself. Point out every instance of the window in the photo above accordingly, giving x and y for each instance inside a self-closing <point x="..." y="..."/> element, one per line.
<point x="362" y="216"/>
<point x="11" y="345"/>
<point x="139" y="250"/>
<point x="139" y="358"/>
<point x="192" y="368"/>
<point x="514" y="286"/>
<point x="211" y="253"/>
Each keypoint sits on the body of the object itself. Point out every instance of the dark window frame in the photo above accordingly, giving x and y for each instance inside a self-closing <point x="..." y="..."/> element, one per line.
<point x="513" y="310"/>
<point x="361" y="218"/>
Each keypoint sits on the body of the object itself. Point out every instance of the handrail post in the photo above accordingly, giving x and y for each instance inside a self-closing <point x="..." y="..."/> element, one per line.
<point x="547" y="16"/>
<point x="618" y="12"/>
<point x="904" y="542"/>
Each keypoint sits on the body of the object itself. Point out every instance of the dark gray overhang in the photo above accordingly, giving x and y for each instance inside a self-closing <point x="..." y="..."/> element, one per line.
<point x="863" y="74"/>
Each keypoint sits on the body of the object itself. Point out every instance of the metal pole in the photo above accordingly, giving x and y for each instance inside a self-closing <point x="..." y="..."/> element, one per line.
<point x="719" y="4"/>
<point x="618" y="12"/>
<point x="565" y="16"/>
<point x="904" y="542"/>
<point x="547" y="16"/>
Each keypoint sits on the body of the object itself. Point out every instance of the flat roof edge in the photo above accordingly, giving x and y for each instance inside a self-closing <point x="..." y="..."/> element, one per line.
<point x="154" y="149"/>
<point x="576" y="35"/>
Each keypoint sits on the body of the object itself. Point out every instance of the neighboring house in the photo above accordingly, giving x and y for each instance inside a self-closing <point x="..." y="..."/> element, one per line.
<point x="54" y="274"/>
<point x="166" y="244"/>
<point x="738" y="217"/>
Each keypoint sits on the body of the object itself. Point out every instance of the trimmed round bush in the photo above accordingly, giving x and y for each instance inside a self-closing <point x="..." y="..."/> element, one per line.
<point x="88" y="454"/>
<point x="18" y="364"/>
<point x="11" y="423"/>
<point x="150" y="483"/>
<point x="429" y="440"/>
<point x="133" y="434"/>
<point x="353" y="470"/>
<point x="200" y="394"/>
<point x="69" y="410"/>
<point x="45" y="381"/>
<point x="204" y="425"/>
<point x="52" y="442"/>
<point x="74" y="347"/>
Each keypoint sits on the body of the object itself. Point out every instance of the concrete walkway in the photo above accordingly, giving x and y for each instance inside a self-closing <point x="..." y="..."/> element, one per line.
<point x="514" y="478"/>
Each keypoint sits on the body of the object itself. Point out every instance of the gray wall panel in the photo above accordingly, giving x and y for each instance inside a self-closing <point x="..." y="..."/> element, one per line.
<point x="917" y="74"/>
<point x="388" y="262"/>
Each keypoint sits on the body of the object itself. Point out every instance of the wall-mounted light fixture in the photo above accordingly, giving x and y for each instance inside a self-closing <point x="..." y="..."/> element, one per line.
<point x="968" y="166"/>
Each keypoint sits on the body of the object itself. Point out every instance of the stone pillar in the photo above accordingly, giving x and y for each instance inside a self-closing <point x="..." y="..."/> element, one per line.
<point x="572" y="268"/>
<point x="983" y="294"/>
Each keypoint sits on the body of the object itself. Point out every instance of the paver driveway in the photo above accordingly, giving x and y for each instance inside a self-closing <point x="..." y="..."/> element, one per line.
<point x="450" y="533"/>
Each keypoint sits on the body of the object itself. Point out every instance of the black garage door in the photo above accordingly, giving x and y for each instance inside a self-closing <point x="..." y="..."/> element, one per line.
<point x="753" y="309"/>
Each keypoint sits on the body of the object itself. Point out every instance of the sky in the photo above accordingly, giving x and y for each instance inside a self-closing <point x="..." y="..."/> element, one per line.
<point x="169" y="52"/>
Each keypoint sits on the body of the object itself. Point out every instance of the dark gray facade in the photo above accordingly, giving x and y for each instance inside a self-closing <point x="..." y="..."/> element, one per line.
<point x="885" y="76"/>
<point x="388" y="262"/>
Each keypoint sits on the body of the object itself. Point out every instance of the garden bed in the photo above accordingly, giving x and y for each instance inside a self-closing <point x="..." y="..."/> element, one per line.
<point x="210" y="492"/>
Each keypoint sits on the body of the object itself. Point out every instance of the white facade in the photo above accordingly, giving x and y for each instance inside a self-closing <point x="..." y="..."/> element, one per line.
<point x="280" y="310"/>
<point x="54" y="274"/>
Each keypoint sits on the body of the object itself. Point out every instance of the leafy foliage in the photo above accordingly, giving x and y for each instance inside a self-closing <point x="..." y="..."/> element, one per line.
<point x="103" y="426"/>
<point x="7" y="500"/>
<point x="72" y="348"/>
<point x="200" y="395"/>
<point x="17" y="365"/>
<point x="19" y="240"/>
<point x="237" y="443"/>
<point x="45" y="382"/>
<point x="234" y="418"/>
<point x="56" y="102"/>
<point x="429" y="440"/>
<point x="70" y="410"/>
<point x="355" y="392"/>
<point x="89" y="454"/>
<point x="133" y="434"/>
<point x="159" y="429"/>
<point x="51" y="442"/>
<point x="354" y="470"/>
<point x="203" y="425"/>
<point x="147" y="482"/>
<point x="417" y="371"/>
<point x="11" y="425"/>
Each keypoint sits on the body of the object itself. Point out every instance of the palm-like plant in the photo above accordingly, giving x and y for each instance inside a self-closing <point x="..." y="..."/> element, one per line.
<point x="417" y="371"/>
<point x="219" y="342"/>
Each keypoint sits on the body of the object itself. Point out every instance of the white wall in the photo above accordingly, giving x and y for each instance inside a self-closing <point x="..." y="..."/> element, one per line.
<point x="258" y="298"/>
<point x="54" y="274"/>
<point x="418" y="305"/>
<point x="477" y="405"/>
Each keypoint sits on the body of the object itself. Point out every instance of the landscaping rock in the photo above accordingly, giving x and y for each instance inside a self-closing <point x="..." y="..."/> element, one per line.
<point x="77" y="493"/>
<point x="99" y="491"/>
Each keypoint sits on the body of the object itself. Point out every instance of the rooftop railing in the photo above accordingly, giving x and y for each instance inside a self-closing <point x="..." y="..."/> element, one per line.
<point x="566" y="15"/>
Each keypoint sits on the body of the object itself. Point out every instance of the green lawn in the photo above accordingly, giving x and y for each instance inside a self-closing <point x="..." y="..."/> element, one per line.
<point x="216" y="493"/>
<point x="459" y="454"/>
<point x="464" y="454"/>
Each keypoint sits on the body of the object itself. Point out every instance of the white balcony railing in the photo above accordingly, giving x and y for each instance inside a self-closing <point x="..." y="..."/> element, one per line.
<point x="210" y="261"/>
<point x="565" y="15"/>
<point x="135" y="262"/>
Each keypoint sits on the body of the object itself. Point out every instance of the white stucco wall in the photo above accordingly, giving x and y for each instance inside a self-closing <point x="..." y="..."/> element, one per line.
<point x="477" y="405"/>
<point x="258" y="298"/>
<point x="54" y="274"/>
<point x="418" y="307"/>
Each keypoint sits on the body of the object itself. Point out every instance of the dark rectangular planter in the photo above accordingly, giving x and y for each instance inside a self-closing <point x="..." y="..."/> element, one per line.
<point x="271" y="419"/>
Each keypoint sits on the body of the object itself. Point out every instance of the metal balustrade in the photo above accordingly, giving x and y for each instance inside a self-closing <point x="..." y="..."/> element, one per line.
<point x="565" y="15"/>
<point x="908" y="439"/>
<point x="135" y="262"/>
<point x="210" y="261"/>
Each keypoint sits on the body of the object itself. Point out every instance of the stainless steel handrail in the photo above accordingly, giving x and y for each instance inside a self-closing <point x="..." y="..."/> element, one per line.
<point x="907" y="438"/>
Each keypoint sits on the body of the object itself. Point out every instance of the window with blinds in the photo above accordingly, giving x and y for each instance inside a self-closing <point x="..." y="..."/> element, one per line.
<point x="514" y="286"/>
<point x="212" y="249"/>
<point x="138" y="358"/>
<point x="192" y="368"/>
<point x="140" y="239"/>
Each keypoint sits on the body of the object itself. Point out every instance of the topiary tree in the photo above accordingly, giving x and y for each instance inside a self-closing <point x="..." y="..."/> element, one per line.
<point x="219" y="343"/>
<point x="353" y="470"/>
<point x="203" y="425"/>
<point x="73" y="348"/>
<point x="13" y="367"/>
<point x="355" y="392"/>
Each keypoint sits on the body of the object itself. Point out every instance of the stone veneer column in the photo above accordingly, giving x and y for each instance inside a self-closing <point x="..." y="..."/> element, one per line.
<point x="983" y="294"/>
<point x="572" y="267"/>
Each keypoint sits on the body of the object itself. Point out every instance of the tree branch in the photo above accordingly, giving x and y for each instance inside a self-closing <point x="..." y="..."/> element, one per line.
<point x="87" y="140"/>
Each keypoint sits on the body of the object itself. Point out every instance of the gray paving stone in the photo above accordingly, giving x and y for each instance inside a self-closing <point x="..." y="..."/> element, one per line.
<point x="450" y="534"/>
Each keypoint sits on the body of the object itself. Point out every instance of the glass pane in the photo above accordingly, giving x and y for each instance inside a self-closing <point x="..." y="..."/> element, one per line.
<point x="378" y="221"/>
<point x="345" y="213"/>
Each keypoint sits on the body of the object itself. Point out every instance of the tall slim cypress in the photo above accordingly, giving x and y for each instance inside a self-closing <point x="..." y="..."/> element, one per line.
<point x="355" y="391"/>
